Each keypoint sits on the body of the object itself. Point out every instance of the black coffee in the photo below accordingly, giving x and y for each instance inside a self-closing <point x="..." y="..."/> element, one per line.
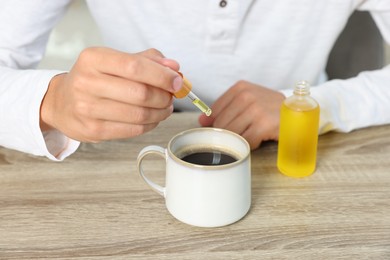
<point x="209" y="158"/>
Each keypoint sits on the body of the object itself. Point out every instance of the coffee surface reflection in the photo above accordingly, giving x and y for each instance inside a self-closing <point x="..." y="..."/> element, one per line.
<point x="209" y="158"/>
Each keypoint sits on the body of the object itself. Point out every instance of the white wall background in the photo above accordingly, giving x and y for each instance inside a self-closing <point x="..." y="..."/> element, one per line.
<point x="75" y="31"/>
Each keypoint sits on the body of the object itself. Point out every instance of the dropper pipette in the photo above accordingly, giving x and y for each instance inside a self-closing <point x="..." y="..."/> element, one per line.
<point x="185" y="91"/>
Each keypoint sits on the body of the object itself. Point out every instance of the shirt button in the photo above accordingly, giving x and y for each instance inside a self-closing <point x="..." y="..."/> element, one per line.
<point x="223" y="3"/>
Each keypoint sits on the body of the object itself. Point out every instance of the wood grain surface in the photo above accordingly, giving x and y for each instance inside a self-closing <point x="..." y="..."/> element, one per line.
<point x="94" y="205"/>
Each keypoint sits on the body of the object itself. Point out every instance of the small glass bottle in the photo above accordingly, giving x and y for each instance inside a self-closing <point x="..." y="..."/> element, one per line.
<point x="298" y="133"/>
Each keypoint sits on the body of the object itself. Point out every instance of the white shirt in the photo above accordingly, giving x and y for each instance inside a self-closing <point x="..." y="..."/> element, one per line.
<point x="273" y="43"/>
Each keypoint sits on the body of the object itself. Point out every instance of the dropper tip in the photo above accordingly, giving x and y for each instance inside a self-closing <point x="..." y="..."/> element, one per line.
<point x="202" y="106"/>
<point x="208" y="112"/>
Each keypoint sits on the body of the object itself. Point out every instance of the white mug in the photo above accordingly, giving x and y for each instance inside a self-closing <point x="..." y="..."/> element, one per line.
<point x="204" y="195"/>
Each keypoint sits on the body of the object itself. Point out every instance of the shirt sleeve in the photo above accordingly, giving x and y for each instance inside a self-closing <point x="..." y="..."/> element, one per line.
<point x="361" y="101"/>
<point x="354" y="103"/>
<point x="24" y="31"/>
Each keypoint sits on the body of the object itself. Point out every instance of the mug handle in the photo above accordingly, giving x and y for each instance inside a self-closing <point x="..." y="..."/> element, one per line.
<point x="152" y="149"/>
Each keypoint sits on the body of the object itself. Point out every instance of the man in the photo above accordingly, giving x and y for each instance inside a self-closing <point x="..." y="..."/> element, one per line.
<point x="241" y="56"/>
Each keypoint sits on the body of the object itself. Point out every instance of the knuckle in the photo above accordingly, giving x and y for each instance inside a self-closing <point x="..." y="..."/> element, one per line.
<point x="132" y="66"/>
<point x="142" y="93"/>
<point x="141" y="115"/>
<point x="255" y="108"/>
<point x="240" y="85"/>
<point x="163" y="80"/>
<point x="87" y="54"/>
<point x="245" y="97"/>
<point x="82" y="109"/>
<point x="154" y="52"/>
<point x="94" y="130"/>
<point x="79" y="83"/>
<point x="140" y="129"/>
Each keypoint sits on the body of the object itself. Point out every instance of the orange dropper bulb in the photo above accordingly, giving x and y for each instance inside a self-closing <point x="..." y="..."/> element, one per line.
<point x="186" y="88"/>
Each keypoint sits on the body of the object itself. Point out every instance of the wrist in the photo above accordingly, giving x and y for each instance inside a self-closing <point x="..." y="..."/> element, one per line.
<point x="46" y="122"/>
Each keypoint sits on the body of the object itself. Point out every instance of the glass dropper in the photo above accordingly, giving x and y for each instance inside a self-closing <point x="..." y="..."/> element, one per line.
<point x="185" y="91"/>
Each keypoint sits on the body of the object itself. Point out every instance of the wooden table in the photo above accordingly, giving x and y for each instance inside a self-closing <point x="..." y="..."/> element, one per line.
<point x="94" y="205"/>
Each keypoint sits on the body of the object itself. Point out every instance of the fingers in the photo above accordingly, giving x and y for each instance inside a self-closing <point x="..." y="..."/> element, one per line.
<point x="230" y="111"/>
<point x="254" y="136"/>
<point x="103" y="130"/>
<point x="117" y="122"/>
<point x="249" y="110"/>
<point x="108" y="110"/>
<point x="136" y="67"/>
<point x="221" y="116"/>
<point x="242" y="120"/>
<point x="126" y="91"/>
<point x="237" y="115"/>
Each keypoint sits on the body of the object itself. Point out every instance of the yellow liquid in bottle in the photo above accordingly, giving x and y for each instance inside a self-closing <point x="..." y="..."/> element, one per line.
<point x="298" y="138"/>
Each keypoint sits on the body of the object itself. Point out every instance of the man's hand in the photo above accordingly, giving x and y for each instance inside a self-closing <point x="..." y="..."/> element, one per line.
<point x="110" y="94"/>
<point x="249" y="110"/>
